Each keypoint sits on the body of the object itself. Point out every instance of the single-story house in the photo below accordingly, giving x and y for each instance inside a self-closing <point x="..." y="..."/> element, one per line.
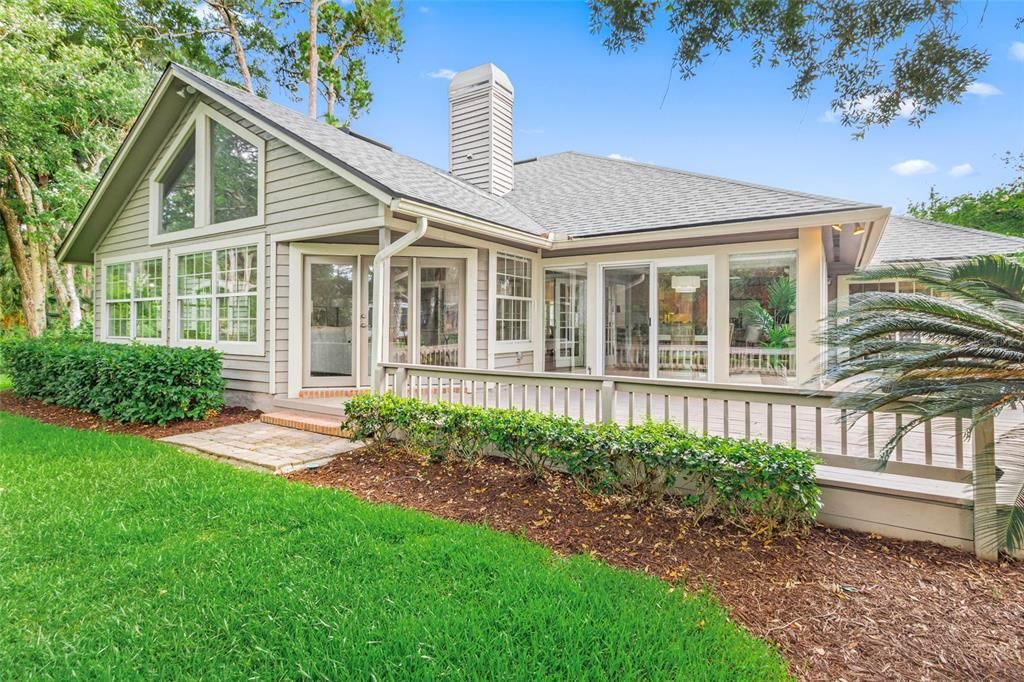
<point x="308" y="254"/>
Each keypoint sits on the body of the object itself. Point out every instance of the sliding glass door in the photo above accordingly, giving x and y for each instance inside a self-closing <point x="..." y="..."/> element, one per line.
<point x="627" y="320"/>
<point x="427" y="297"/>
<point x="441" y="296"/>
<point x="656" y="320"/>
<point x="565" y="319"/>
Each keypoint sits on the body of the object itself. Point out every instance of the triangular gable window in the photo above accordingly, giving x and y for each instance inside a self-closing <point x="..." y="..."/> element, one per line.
<point x="178" y="185"/>
<point x="210" y="182"/>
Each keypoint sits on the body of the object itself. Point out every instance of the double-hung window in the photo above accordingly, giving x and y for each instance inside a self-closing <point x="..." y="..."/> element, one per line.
<point x="209" y="181"/>
<point x="133" y="297"/>
<point x="217" y="297"/>
<point x="513" y="287"/>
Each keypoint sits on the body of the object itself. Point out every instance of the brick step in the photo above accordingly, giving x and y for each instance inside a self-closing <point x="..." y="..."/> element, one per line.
<point x="331" y="392"/>
<point x="305" y="421"/>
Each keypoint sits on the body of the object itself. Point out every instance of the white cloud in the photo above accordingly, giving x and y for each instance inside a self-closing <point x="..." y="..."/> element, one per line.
<point x="961" y="170"/>
<point x="424" y="9"/>
<point x="913" y="167"/>
<point x="620" y="157"/>
<point x="446" y="74"/>
<point x="983" y="89"/>
<point x="1017" y="51"/>
<point x="865" y="104"/>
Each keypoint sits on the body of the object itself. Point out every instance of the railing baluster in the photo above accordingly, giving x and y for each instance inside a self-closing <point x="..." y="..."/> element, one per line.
<point x="565" y="401"/>
<point x="959" y="425"/>
<point x="792" y="425"/>
<point x="725" y="418"/>
<point x="551" y="399"/>
<point x="768" y="419"/>
<point x="899" y="443"/>
<point x="746" y="419"/>
<point x="583" y="402"/>
<point x="871" y="434"/>
<point x="817" y="429"/>
<point x="705" y="409"/>
<point x="842" y="433"/>
<point x="928" y="442"/>
<point x="686" y="412"/>
<point x="647" y="405"/>
<point x="631" y="408"/>
<point x="665" y="407"/>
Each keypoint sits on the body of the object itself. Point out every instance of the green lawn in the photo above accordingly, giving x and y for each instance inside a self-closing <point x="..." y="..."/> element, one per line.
<point x="120" y="557"/>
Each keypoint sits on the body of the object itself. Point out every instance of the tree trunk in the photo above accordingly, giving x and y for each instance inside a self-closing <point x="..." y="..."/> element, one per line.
<point x="30" y="266"/>
<point x="63" y="278"/>
<point x="332" y="98"/>
<point x="236" y="43"/>
<point x="314" y="58"/>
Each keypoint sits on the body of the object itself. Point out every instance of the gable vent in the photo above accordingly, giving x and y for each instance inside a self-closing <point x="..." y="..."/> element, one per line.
<point x="480" y="135"/>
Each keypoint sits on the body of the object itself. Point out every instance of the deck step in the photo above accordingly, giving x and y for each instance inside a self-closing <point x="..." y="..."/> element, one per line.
<point x="306" y="421"/>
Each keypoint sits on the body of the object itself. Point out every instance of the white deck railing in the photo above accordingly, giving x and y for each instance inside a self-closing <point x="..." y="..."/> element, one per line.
<point x="938" y="450"/>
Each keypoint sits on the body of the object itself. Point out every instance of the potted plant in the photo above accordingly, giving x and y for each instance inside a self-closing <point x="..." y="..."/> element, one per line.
<point x="775" y="320"/>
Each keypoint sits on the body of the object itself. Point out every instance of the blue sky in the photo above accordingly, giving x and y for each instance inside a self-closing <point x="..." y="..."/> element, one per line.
<point x="731" y="120"/>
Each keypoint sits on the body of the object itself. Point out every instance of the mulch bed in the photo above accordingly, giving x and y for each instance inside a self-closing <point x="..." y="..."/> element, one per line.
<point x="840" y="605"/>
<point x="77" y="419"/>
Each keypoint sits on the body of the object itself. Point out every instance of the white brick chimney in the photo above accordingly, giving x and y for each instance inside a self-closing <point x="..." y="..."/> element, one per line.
<point x="480" y="121"/>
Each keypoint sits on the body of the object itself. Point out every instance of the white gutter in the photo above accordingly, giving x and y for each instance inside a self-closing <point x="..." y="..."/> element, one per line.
<point x="383" y="258"/>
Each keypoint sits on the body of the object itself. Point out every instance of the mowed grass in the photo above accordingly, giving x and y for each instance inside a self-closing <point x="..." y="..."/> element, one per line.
<point x="121" y="557"/>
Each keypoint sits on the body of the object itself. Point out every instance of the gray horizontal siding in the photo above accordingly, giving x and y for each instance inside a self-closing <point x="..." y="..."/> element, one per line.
<point x="300" y="194"/>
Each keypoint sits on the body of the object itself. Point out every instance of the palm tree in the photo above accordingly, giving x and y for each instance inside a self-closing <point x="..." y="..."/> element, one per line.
<point x="957" y="343"/>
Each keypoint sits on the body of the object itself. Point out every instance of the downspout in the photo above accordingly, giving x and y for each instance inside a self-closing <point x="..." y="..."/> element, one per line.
<point x="382" y="258"/>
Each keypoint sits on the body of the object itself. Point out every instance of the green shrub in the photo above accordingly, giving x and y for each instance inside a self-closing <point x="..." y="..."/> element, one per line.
<point x="127" y="383"/>
<point x="764" y="488"/>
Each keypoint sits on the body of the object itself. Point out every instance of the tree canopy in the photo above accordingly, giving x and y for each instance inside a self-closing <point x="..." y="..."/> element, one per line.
<point x="1000" y="209"/>
<point x="884" y="58"/>
<point x="75" y="73"/>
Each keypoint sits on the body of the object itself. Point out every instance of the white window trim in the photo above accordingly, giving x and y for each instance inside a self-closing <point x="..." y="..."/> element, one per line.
<point x="257" y="347"/>
<point x="515" y="345"/>
<point x="199" y="123"/>
<point x="102" y="296"/>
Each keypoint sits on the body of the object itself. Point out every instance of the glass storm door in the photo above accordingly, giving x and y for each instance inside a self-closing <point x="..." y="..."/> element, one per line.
<point x="330" y="320"/>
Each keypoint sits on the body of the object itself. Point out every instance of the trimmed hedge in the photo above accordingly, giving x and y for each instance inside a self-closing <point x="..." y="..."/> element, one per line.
<point x="764" y="488"/>
<point x="127" y="383"/>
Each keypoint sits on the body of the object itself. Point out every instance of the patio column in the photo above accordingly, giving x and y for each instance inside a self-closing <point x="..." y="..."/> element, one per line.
<point x="811" y="283"/>
<point x="720" y="342"/>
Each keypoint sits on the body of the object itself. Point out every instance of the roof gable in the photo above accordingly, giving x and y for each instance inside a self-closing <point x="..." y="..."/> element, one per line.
<point x="908" y="239"/>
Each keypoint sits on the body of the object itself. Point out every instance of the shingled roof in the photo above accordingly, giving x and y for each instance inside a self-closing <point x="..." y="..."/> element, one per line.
<point x="908" y="239"/>
<point x="575" y="194"/>
<point x="398" y="175"/>
<point x="585" y="195"/>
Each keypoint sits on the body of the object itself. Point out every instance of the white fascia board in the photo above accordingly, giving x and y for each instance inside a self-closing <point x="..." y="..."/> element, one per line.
<point x="482" y="227"/>
<point x="873" y="237"/>
<point x="766" y="225"/>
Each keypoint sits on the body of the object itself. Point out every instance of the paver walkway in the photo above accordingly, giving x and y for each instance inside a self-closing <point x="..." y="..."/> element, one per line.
<point x="267" y="447"/>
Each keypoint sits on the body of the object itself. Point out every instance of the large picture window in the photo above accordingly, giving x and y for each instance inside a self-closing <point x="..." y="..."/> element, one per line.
<point x="211" y="180"/>
<point x="217" y="295"/>
<point x="762" y="317"/>
<point x="512" y="297"/>
<point x="134" y="299"/>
